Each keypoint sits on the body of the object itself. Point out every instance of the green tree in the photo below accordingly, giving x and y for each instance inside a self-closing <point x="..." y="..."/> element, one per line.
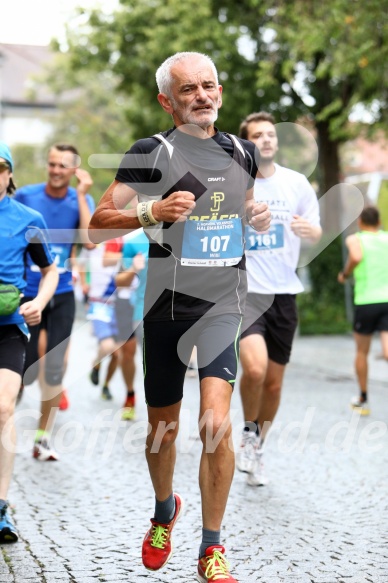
<point x="91" y="117"/>
<point x="319" y="60"/>
<point x="29" y="163"/>
<point x="134" y="41"/>
<point x="322" y="309"/>
<point x="328" y="60"/>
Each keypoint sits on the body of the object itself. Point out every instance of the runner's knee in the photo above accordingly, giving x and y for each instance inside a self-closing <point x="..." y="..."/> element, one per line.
<point x="255" y="372"/>
<point x="54" y="376"/>
<point x="7" y="408"/>
<point x="162" y="435"/>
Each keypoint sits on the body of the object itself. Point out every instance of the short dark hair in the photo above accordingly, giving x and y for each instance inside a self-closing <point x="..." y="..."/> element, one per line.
<point x="65" y="148"/>
<point x="370" y="216"/>
<point x="258" y="116"/>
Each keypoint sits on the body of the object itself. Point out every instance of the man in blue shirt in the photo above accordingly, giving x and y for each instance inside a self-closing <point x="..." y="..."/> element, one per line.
<point x="21" y="232"/>
<point x="65" y="210"/>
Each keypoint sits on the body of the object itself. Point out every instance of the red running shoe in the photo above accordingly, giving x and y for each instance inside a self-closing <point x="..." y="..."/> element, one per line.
<point x="128" y="410"/>
<point x="214" y="567"/>
<point x="157" y="546"/>
<point x="64" y="402"/>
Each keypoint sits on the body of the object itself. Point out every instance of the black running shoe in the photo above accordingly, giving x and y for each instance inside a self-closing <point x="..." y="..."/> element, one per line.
<point x="106" y="394"/>
<point x="8" y="532"/>
<point x="95" y="375"/>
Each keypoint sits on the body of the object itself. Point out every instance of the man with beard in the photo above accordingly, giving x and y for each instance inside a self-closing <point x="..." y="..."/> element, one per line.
<point x="271" y="317"/>
<point x="193" y="184"/>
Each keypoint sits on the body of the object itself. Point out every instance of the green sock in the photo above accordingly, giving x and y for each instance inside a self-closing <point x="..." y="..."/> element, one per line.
<point x="40" y="434"/>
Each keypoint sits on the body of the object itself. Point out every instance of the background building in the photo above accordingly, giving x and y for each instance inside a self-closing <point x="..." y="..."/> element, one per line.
<point x="27" y="110"/>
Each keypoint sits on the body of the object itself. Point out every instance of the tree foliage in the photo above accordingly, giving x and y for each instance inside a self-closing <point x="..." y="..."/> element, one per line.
<point x="327" y="57"/>
<point x="320" y="60"/>
<point x="91" y="116"/>
<point x="133" y="42"/>
<point x="30" y="164"/>
<point x="322" y="310"/>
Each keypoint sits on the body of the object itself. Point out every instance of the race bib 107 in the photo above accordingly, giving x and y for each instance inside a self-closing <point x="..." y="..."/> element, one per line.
<point x="212" y="243"/>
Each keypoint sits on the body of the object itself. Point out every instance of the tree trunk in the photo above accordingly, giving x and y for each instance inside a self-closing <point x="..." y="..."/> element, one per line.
<point x="329" y="176"/>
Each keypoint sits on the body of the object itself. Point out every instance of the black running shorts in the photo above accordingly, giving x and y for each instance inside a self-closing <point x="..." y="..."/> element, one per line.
<point x="12" y="348"/>
<point x="369" y="318"/>
<point x="277" y="323"/>
<point x="57" y="319"/>
<point x="167" y="348"/>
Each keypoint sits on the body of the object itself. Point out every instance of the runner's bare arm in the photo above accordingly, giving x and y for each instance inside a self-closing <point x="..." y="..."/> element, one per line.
<point x="353" y="245"/>
<point x="257" y="213"/>
<point x="111" y="218"/>
<point x="32" y="311"/>
<point x="302" y="228"/>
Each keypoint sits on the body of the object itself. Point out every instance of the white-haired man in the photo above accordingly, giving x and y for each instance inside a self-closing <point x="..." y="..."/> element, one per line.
<point x="194" y="187"/>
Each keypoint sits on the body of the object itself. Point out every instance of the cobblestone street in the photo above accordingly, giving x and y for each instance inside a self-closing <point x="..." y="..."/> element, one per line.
<point x="322" y="519"/>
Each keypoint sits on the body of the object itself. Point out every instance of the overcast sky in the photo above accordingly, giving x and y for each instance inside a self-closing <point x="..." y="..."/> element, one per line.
<point x="38" y="21"/>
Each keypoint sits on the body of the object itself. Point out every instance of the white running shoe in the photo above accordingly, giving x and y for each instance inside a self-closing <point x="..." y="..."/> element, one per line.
<point x="246" y="456"/>
<point x="43" y="452"/>
<point x="257" y="476"/>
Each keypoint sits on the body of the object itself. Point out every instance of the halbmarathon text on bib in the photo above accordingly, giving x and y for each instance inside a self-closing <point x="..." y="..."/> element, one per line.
<point x="217" y="243"/>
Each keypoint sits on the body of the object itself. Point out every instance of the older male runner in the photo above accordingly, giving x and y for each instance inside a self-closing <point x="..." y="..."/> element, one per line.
<point x="194" y="187"/>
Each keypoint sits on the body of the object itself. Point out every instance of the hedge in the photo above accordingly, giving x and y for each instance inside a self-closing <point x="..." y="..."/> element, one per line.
<point x="322" y="310"/>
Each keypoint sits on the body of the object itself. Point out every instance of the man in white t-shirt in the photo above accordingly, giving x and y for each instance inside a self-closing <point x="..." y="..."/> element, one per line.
<point x="271" y="316"/>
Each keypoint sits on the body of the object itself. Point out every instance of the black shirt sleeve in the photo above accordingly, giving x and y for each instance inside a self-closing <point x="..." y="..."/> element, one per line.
<point x="145" y="167"/>
<point x="38" y="248"/>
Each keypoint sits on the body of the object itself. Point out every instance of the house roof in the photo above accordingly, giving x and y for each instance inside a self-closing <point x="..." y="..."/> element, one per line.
<point x="18" y="66"/>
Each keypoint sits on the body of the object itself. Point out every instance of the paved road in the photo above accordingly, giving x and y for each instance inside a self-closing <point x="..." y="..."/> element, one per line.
<point x="322" y="519"/>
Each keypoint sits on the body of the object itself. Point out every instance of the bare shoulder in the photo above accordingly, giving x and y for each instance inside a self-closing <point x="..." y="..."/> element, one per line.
<point x="354" y="247"/>
<point x="352" y="240"/>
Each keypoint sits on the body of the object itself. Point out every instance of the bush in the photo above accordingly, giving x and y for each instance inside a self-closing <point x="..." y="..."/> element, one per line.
<point x="322" y="310"/>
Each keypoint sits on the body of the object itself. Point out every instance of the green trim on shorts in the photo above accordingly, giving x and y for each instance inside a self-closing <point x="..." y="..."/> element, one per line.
<point x="236" y="348"/>
<point x="144" y="369"/>
<point x="144" y="360"/>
